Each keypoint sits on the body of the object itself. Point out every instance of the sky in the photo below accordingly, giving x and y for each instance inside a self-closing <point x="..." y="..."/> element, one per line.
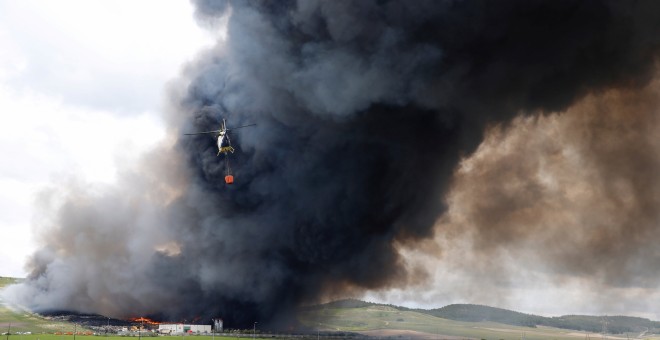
<point x="81" y="91"/>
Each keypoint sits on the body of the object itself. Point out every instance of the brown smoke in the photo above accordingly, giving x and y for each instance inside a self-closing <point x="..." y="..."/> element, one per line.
<point x="570" y="195"/>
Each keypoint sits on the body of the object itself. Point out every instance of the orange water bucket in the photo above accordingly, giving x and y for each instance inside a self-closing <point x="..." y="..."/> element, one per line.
<point x="229" y="179"/>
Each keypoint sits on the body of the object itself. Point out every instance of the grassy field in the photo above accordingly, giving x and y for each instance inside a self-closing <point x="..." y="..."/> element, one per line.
<point x="387" y="321"/>
<point x="15" y="320"/>
<point x="4" y="281"/>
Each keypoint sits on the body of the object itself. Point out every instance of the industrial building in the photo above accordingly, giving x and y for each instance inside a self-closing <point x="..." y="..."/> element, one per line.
<point x="179" y="328"/>
<point x="217" y="325"/>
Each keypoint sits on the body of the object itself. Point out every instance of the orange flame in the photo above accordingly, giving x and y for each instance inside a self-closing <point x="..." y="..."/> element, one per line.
<point x="144" y="320"/>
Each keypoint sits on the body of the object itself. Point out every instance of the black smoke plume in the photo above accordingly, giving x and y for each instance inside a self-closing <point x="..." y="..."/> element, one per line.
<point x="363" y="111"/>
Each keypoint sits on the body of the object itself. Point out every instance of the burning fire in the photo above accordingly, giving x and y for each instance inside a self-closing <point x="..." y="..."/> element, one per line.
<point x="144" y="320"/>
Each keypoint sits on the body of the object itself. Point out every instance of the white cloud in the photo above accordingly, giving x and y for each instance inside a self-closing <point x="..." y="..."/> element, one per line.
<point x="105" y="54"/>
<point x="81" y="88"/>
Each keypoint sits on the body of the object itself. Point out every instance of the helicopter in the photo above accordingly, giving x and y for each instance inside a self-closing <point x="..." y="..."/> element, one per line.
<point x="224" y="145"/>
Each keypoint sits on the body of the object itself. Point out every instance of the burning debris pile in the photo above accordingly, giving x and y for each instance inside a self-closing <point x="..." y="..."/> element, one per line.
<point x="144" y="321"/>
<point x="99" y="324"/>
<point x="364" y="110"/>
<point x="86" y="320"/>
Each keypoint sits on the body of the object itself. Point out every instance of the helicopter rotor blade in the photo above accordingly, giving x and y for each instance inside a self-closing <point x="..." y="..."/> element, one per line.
<point x="239" y="127"/>
<point x="201" y="133"/>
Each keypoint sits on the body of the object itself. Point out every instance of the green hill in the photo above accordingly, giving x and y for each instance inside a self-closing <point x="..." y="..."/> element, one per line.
<point x="5" y="281"/>
<point x="485" y="314"/>
<point x="477" y="313"/>
<point x="587" y="323"/>
<point x="387" y="322"/>
<point x="613" y="324"/>
<point x="17" y="321"/>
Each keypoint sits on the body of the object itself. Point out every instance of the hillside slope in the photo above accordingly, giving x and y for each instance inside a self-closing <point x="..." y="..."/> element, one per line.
<point x="588" y="323"/>
<point x="389" y="322"/>
<point x="16" y="320"/>
<point x="478" y="313"/>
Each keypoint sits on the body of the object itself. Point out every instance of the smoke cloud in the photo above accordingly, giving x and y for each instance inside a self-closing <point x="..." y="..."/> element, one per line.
<point x="560" y="206"/>
<point x="364" y="112"/>
<point x="579" y="186"/>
